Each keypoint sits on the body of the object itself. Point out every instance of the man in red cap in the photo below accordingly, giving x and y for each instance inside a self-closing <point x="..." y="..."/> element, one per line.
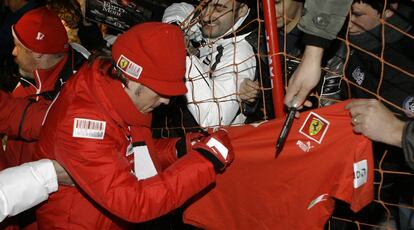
<point x="11" y="11"/>
<point x="101" y="135"/>
<point x="45" y="61"/>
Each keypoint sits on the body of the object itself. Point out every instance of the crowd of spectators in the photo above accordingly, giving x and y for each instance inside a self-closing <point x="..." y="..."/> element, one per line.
<point x="332" y="51"/>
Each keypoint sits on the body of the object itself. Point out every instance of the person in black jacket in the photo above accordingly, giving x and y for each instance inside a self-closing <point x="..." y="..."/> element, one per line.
<point x="392" y="76"/>
<point x="381" y="66"/>
<point x="372" y="119"/>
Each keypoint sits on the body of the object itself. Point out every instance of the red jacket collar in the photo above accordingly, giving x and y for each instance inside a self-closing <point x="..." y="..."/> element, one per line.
<point x="46" y="78"/>
<point x="112" y="92"/>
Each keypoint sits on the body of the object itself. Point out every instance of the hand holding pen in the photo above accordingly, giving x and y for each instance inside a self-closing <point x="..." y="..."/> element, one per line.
<point x="285" y="130"/>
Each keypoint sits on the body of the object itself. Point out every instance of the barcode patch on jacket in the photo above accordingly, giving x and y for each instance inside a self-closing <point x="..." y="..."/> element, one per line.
<point x="87" y="128"/>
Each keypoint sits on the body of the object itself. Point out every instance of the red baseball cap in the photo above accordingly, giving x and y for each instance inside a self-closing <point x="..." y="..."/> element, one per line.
<point x="41" y="31"/>
<point x="153" y="54"/>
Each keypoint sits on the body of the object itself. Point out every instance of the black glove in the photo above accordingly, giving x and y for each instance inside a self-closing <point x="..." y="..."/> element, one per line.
<point x="217" y="149"/>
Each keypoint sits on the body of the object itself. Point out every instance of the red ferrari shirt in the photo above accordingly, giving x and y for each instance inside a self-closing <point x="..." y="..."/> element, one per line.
<point x="322" y="159"/>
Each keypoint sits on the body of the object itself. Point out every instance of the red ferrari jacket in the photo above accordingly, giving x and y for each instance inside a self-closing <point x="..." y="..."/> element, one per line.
<point x="90" y="130"/>
<point x="12" y="109"/>
<point x="23" y="125"/>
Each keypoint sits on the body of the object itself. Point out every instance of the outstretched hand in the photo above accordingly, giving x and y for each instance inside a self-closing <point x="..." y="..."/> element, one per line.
<point x="249" y="90"/>
<point x="371" y="118"/>
<point x="305" y="77"/>
<point x="62" y="175"/>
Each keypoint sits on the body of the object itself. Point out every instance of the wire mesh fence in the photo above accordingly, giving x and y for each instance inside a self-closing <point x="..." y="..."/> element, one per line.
<point x="372" y="57"/>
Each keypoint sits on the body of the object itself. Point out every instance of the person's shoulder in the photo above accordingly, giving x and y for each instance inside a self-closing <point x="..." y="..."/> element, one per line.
<point x="76" y="98"/>
<point x="244" y="50"/>
<point x="238" y="46"/>
<point x="85" y="121"/>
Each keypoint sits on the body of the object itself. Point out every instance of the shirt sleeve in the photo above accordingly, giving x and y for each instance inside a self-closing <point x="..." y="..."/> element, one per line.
<point x="21" y="117"/>
<point x="23" y="187"/>
<point x="166" y="151"/>
<point x="322" y="20"/>
<point x="408" y="143"/>
<point x="357" y="178"/>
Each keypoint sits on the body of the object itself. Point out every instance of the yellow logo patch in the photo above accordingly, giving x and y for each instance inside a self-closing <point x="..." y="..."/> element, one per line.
<point x="129" y="67"/>
<point x="123" y="63"/>
<point x="315" y="126"/>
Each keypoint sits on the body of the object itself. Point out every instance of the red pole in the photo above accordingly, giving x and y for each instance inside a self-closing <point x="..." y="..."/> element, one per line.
<point x="274" y="60"/>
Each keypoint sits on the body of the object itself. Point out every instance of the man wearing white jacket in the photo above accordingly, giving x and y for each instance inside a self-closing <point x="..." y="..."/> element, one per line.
<point x="225" y="59"/>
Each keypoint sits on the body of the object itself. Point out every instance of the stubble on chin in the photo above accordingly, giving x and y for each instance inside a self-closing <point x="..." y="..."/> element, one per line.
<point x="25" y="74"/>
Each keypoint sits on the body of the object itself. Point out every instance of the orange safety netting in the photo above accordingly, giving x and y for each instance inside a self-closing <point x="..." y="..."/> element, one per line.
<point x="394" y="197"/>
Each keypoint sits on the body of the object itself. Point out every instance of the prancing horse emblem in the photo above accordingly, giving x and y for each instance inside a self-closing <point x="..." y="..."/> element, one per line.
<point x="123" y="63"/>
<point x="315" y="126"/>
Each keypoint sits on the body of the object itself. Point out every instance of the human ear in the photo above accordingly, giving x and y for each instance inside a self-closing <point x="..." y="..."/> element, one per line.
<point x="242" y="11"/>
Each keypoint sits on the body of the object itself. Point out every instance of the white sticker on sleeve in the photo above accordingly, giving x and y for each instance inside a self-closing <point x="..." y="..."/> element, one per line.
<point x="143" y="166"/>
<point x="87" y="128"/>
<point x="360" y="173"/>
<point x="219" y="146"/>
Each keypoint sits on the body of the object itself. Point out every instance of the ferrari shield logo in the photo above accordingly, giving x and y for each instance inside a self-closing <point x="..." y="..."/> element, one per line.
<point x="129" y="67"/>
<point x="123" y="63"/>
<point x="315" y="126"/>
